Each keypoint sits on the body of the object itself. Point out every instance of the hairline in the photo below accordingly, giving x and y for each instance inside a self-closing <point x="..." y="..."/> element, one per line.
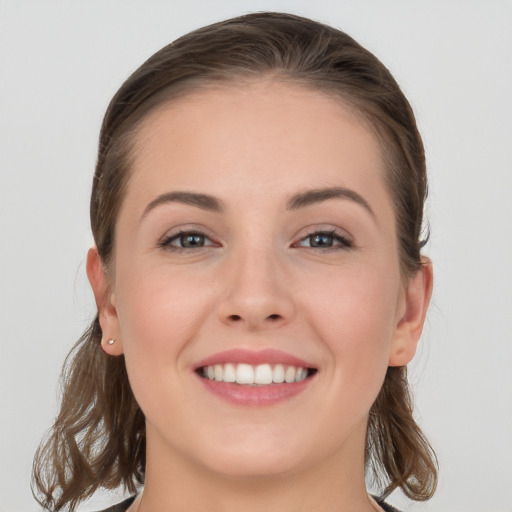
<point x="240" y="78"/>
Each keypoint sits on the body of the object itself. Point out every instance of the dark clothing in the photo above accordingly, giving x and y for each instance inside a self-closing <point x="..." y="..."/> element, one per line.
<point x="385" y="506"/>
<point x="122" y="507"/>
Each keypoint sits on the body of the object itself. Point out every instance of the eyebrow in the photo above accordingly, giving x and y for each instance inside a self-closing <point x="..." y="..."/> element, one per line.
<point x="297" y="201"/>
<point x="203" y="201"/>
<point x="309" y="197"/>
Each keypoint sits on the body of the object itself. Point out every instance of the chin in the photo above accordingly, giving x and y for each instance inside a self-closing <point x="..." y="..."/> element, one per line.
<point x="256" y="454"/>
<point x="258" y="465"/>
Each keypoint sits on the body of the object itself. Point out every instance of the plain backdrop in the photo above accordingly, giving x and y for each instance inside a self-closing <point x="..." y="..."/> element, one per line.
<point x="60" y="62"/>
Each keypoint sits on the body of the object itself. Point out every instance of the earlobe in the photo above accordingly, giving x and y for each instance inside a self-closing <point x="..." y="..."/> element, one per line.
<point x="410" y="324"/>
<point x="105" y="302"/>
<point x="111" y="346"/>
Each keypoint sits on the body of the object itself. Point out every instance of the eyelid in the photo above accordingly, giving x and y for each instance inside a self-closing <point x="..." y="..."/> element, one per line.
<point x="345" y="241"/>
<point x="342" y="236"/>
<point x="165" y="241"/>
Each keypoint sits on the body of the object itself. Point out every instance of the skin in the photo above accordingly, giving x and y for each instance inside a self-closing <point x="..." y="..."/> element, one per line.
<point x="259" y="283"/>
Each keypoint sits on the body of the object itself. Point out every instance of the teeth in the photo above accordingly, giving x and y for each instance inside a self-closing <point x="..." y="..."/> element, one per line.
<point x="263" y="374"/>
<point x="244" y="374"/>
<point x="229" y="373"/>
<point x="289" y="375"/>
<point x="260" y="375"/>
<point x="278" y="374"/>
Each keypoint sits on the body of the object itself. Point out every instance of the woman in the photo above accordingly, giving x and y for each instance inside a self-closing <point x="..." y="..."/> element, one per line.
<point x="257" y="211"/>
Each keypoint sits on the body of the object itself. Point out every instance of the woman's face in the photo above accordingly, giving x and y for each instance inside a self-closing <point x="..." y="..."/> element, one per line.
<point x="257" y="243"/>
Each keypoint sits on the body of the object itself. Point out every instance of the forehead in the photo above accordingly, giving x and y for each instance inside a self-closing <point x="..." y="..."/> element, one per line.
<point x="268" y="137"/>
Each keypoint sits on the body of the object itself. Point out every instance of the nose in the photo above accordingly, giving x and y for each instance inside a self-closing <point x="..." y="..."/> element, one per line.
<point x="257" y="292"/>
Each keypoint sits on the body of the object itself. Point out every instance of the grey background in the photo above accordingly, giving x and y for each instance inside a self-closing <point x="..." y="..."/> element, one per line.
<point x="60" y="62"/>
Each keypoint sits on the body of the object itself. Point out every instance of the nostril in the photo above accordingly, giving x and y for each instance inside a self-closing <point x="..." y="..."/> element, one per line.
<point x="238" y="318"/>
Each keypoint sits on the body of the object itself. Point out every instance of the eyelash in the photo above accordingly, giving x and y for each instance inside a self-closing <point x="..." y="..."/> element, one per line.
<point x="166" y="242"/>
<point x="344" y="242"/>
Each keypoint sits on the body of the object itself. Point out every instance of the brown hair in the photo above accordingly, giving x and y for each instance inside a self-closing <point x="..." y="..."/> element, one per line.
<point x="98" y="439"/>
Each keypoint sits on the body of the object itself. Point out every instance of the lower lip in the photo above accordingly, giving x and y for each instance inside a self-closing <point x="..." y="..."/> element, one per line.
<point x="254" y="396"/>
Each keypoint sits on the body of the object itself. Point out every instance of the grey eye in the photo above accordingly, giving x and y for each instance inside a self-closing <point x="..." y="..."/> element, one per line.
<point x="190" y="240"/>
<point x="187" y="240"/>
<point x="321" y="240"/>
<point x="325" y="240"/>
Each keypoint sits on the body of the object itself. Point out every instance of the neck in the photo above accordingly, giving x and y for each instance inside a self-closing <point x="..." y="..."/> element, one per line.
<point x="332" y="484"/>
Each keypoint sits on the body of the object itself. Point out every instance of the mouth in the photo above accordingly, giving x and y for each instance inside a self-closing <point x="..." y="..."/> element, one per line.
<point x="255" y="378"/>
<point x="265" y="374"/>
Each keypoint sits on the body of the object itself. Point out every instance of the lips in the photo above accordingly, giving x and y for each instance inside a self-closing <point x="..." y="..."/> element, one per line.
<point x="261" y="377"/>
<point x="269" y="355"/>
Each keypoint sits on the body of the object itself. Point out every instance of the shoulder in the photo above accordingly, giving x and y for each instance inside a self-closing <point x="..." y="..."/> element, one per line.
<point x="120" y="507"/>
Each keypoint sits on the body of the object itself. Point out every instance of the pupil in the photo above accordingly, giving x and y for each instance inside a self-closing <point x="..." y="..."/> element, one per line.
<point x="321" y="241"/>
<point x="192" y="241"/>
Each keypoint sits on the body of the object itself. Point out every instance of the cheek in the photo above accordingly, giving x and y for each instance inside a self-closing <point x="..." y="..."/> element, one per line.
<point x="353" y="317"/>
<point x="158" y="313"/>
<point x="355" y="314"/>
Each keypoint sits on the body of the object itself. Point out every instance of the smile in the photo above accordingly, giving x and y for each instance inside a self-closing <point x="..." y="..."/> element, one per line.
<point x="255" y="378"/>
<point x="255" y="375"/>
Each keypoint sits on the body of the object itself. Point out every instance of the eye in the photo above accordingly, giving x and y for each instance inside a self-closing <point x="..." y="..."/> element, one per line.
<point x="325" y="240"/>
<point x="186" y="240"/>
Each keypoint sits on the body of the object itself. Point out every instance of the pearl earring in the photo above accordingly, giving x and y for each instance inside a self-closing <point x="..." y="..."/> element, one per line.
<point x="111" y="341"/>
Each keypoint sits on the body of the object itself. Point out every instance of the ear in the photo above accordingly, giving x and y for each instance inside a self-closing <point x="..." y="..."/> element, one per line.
<point x="105" y="302"/>
<point x="412" y="315"/>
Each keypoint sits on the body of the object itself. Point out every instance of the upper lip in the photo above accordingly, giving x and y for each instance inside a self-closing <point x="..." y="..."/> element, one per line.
<point x="252" y="357"/>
